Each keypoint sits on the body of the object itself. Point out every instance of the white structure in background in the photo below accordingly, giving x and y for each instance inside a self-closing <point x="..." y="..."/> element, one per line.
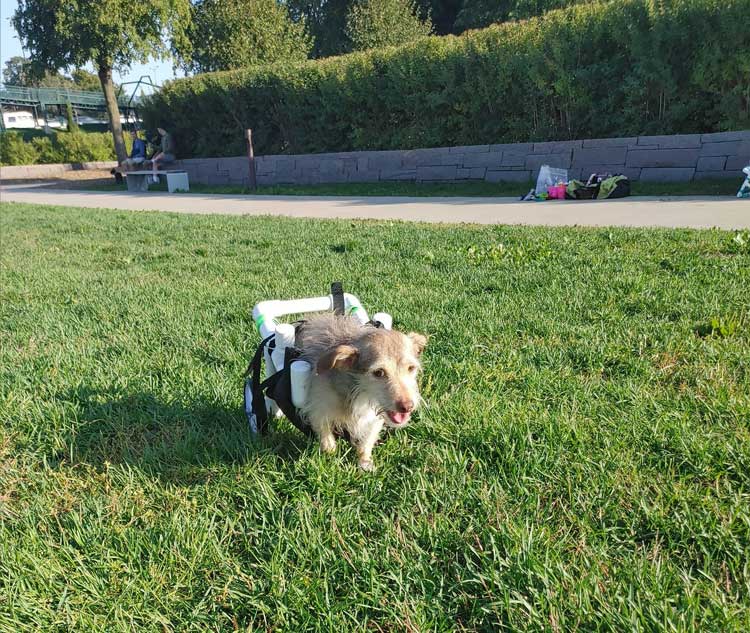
<point x="21" y="119"/>
<point x="90" y="120"/>
<point x="84" y="119"/>
<point x="24" y="119"/>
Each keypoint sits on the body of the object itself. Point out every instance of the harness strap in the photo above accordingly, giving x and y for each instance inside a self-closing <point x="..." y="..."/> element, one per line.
<point x="253" y="370"/>
<point x="255" y="360"/>
<point x="337" y="291"/>
<point x="279" y="388"/>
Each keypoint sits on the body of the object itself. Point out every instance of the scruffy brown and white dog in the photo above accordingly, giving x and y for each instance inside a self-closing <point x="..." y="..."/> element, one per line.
<point x="363" y="378"/>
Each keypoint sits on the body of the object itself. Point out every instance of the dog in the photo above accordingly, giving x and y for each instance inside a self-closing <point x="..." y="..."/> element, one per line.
<point x="363" y="378"/>
<point x="118" y="175"/>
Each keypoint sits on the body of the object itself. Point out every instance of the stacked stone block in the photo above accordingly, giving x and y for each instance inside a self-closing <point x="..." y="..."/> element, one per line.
<point x="681" y="157"/>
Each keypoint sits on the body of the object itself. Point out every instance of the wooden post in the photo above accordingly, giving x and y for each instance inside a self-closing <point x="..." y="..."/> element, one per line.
<point x="251" y="159"/>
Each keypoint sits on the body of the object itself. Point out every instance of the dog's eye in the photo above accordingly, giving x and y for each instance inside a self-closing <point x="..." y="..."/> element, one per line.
<point x="379" y="373"/>
<point x="411" y="369"/>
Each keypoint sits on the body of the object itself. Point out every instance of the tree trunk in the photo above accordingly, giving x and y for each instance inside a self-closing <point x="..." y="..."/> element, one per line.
<point x="113" y="111"/>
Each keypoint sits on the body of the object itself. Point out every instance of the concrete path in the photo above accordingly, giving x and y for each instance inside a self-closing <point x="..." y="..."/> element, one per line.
<point x="689" y="212"/>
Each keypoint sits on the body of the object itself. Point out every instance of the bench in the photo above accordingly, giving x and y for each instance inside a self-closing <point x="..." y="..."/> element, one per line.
<point x="177" y="180"/>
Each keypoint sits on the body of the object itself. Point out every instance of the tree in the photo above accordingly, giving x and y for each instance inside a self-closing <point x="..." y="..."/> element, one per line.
<point x="51" y="80"/>
<point x="442" y="14"/>
<point x="326" y="21"/>
<point x="377" y="23"/>
<point x="476" y="14"/>
<point x="71" y="119"/>
<point x="111" y="34"/>
<point x="16" y="71"/>
<point x="227" y="34"/>
<point x="85" y="80"/>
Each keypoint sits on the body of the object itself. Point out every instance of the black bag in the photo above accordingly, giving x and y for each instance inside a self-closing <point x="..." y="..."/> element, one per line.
<point x="621" y="190"/>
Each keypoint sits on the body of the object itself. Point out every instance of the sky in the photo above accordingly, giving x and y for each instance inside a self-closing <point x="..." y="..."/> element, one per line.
<point x="11" y="46"/>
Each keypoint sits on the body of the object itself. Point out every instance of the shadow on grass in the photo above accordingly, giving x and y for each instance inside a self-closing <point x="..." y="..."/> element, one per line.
<point x="175" y="440"/>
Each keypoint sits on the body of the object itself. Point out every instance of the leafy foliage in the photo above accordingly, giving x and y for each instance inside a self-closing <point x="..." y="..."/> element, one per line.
<point x="378" y="23"/>
<point x="108" y="33"/>
<point x="20" y="71"/>
<point x="480" y="13"/>
<point x="443" y="14"/>
<point x="113" y="33"/>
<point x="596" y="70"/>
<point x="15" y="151"/>
<point x="326" y="20"/>
<point x="227" y="34"/>
<point x="70" y="119"/>
<point x="719" y="327"/>
<point x="58" y="147"/>
<point x="16" y="71"/>
<point x="85" y="80"/>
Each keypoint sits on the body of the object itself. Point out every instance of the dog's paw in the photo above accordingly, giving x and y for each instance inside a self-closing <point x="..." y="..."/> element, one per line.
<point x="328" y="444"/>
<point x="367" y="465"/>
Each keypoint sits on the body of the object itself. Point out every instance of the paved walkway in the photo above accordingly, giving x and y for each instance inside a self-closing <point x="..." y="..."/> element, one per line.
<point x="689" y="212"/>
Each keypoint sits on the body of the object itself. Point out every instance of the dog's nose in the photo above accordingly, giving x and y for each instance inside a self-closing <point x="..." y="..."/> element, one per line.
<point x="404" y="406"/>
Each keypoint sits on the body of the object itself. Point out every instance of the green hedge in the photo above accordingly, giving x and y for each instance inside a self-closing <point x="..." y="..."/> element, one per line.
<point x="58" y="147"/>
<point x="598" y="70"/>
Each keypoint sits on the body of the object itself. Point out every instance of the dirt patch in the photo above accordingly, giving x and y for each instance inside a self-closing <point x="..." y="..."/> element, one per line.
<point x="75" y="179"/>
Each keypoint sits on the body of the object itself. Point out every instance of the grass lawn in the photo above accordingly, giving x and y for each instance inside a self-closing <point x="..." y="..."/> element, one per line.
<point x="723" y="187"/>
<point x="583" y="462"/>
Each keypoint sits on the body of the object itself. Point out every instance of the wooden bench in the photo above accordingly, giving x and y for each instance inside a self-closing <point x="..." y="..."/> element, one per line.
<point x="177" y="179"/>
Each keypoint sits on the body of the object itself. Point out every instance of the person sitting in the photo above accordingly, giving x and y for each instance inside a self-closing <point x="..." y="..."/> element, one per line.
<point x="137" y="157"/>
<point x="166" y="153"/>
<point x="137" y="153"/>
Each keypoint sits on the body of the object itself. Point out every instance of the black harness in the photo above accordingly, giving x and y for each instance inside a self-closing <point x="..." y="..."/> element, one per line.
<point x="278" y="387"/>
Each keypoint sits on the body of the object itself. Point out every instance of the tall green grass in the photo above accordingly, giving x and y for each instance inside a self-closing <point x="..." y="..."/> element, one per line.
<point x="582" y="462"/>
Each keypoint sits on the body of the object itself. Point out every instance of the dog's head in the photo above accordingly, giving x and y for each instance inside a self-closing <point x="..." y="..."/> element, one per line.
<point x="385" y="364"/>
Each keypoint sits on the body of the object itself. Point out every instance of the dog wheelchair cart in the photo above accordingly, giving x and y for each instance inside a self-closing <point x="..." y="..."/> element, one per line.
<point x="284" y="389"/>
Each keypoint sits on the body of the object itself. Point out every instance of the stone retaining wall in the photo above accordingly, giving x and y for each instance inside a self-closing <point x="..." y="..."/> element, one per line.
<point x="656" y="158"/>
<point x="24" y="172"/>
<point x="680" y="157"/>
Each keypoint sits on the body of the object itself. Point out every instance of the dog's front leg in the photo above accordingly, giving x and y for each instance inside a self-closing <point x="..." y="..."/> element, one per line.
<point x="369" y="430"/>
<point x="326" y="437"/>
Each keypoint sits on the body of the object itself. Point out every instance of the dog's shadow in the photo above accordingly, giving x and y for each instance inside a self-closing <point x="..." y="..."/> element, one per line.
<point x="178" y="441"/>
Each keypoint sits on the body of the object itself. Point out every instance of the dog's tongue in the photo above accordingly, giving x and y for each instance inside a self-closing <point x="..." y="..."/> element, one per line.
<point x="397" y="417"/>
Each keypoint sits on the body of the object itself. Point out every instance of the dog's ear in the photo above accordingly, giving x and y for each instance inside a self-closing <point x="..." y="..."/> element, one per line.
<point x="339" y="357"/>
<point x="419" y="341"/>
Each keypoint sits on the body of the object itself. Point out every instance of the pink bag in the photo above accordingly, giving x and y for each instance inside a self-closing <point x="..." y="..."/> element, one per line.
<point x="557" y="192"/>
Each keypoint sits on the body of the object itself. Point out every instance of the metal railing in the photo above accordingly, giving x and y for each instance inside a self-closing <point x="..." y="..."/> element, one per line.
<point x="83" y="99"/>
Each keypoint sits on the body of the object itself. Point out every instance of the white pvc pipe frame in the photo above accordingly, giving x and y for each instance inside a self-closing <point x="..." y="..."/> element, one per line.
<point x="266" y="312"/>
